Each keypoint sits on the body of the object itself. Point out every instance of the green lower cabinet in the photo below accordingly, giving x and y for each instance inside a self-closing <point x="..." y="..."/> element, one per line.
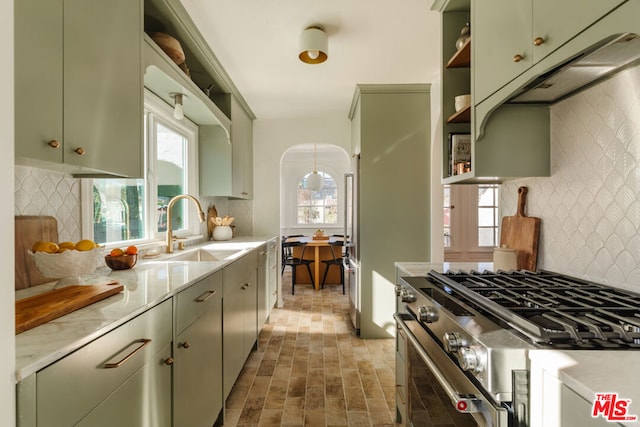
<point x="144" y="400"/>
<point x="126" y="372"/>
<point x="239" y="311"/>
<point x="197" y="371"/>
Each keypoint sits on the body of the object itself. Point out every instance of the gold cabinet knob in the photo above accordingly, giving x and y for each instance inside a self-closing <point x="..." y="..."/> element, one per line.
<point x="79" y="151"/>
<point x="54" y="143"/>
<point x="518" y="58"/>
<point x="538" y="41"/>
<point x="184" y="344"/>
<point x="169" y="361"/>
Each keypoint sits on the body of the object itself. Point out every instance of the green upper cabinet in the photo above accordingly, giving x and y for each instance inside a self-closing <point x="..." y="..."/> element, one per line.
<point x="501" y="40"/>
<point x="79" y="90"/>
<point x="509" y="36"/>
<point x="38" y="80"/>
<point x="242" y="142"/>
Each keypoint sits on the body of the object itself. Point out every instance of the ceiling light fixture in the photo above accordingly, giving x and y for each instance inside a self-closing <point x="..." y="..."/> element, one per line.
<point x="178" y="99"/>
<point x="314" y="181"/>
<point x="314" y="45"/>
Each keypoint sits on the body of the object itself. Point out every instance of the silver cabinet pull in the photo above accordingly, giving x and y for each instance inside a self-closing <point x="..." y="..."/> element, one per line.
<point x="143" y="343"/>
<point x="205" y="296"/>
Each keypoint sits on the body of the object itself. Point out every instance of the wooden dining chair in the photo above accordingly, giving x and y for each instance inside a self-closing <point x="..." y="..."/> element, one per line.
<point x="336" y="249"/>
<point x="289" y="259"/>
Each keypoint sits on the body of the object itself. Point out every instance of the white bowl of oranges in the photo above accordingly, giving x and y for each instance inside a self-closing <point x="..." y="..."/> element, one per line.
<point x="122" y="259"/>
<point x="66" y="259"/>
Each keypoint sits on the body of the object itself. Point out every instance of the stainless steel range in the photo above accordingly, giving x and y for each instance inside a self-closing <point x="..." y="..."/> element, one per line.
<point x="463" y="339"/>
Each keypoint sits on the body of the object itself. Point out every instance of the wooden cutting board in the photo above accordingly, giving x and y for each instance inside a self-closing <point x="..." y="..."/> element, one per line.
<point x="28" y="230"/>
<point x="521" y="232"/>
<point x="42" y="308"/>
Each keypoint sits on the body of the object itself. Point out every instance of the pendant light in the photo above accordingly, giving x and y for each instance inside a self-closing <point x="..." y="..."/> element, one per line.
<point x="314" y="181"/>
<point x="178" y="112"/>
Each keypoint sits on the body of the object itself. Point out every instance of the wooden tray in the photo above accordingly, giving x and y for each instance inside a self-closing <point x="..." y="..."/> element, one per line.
<point x="42" y="308"/>
<point x="320" y="237"/>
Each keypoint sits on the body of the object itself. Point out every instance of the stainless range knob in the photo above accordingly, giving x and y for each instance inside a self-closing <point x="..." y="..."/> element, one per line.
<point x="407" y="296"/>
<point x="427" y="314"/>
<point x="469" y="359"/>
<point x="399" y="290"/>
<point x="452" y="341"/>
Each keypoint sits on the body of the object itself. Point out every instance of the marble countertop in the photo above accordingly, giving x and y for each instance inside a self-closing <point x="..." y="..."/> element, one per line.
<point x="149" y="283"/>
<point x="590" y="372"/>
<point x="422" y="268"/>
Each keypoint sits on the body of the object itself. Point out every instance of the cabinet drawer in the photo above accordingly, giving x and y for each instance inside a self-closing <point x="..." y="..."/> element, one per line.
<point x="241" y="271"/>
<point x="73" y="386"/>
<point x="134" y="402"/>
<point x="194" y="301"/>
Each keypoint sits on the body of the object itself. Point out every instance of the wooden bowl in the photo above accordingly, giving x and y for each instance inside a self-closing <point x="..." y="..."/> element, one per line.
<point x="170" y="46"/>
<point x="122" y="262"/>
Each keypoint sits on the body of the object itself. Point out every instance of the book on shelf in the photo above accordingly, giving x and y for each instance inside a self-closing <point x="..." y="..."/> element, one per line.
<point x="460" y="153"/>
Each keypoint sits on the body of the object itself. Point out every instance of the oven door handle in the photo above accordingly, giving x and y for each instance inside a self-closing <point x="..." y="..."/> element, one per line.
<point x="467" y="403"/>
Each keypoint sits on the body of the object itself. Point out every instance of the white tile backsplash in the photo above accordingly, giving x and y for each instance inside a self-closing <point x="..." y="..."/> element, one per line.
<point x="590" y="206"/>
<point x="46" y="192"/>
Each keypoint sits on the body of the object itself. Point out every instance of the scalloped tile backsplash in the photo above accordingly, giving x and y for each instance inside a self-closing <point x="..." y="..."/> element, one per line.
<point x="590" y="206"/>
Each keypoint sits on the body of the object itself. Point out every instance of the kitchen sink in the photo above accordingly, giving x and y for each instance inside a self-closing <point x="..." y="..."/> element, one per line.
<point x="203" y="255"/>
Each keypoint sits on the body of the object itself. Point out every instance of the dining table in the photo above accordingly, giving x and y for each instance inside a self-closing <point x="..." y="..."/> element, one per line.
<point x="321" y="251"/>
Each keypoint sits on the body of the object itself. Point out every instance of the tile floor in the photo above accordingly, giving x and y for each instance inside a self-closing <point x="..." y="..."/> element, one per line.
<point x="311" y="369"/>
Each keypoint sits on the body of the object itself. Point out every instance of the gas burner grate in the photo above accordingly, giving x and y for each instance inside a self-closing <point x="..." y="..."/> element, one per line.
<point x="551" y="308"/>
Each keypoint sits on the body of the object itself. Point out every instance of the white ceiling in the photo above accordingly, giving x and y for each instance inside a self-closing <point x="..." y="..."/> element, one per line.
<point x="370" y="41"/>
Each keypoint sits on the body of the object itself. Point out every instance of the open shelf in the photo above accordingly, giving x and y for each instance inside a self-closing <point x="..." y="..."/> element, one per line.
<point x="462" y="116"/>
<point x="462" y="57"/>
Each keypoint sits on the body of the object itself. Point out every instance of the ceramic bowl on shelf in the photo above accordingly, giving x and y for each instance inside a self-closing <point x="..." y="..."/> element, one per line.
<point x="121" y="262"/>
<point x="461" y="102"/>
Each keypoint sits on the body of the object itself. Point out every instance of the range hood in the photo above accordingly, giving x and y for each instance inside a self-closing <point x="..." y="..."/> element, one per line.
<point x="587" y="68"/>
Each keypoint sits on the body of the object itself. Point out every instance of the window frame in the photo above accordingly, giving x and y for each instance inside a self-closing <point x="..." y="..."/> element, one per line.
<point x="297" y="206"/>
<point x="156" y="111"/>
<point x="464" y="228"/>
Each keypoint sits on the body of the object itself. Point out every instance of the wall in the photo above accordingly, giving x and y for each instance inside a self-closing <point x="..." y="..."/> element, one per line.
<point x="590" y="206"/>
<point x="7" y="316"/>
<point x="271" y="138"/>
<point x="295" y="164"/>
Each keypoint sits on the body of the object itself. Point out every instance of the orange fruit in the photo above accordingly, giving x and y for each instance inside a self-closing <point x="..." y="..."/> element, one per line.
<point x="132" y="250"/>
<point x="116" y="252"/>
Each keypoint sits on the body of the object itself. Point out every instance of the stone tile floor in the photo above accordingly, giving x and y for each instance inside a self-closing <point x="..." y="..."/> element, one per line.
<point x="311" y="369"/>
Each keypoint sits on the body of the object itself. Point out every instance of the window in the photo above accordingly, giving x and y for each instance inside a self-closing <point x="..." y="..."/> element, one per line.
<point x="317" y="207"/>
<point x="136" y="209"/>
<point x="470" y="222"/>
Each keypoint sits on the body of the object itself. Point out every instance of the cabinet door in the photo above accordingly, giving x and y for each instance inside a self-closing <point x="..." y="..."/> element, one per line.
<point x="214" y="158"/>
<point x="232" y="334"/>
<point x="273" y="274"/>
<point x="556" y="22"/>
<point x="263" y="289"/>
<point x="103" y="88"/>
<point x="38" y="79"/>
<point x="198" y="369"/>
<point x="501" y="30"/>
<point x="242" y="141"/>
<point x="250" y="312"/>
<point x="144" y="400"/>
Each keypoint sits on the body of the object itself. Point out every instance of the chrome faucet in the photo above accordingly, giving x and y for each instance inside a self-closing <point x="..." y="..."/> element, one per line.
<point x="169" y="206"/>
